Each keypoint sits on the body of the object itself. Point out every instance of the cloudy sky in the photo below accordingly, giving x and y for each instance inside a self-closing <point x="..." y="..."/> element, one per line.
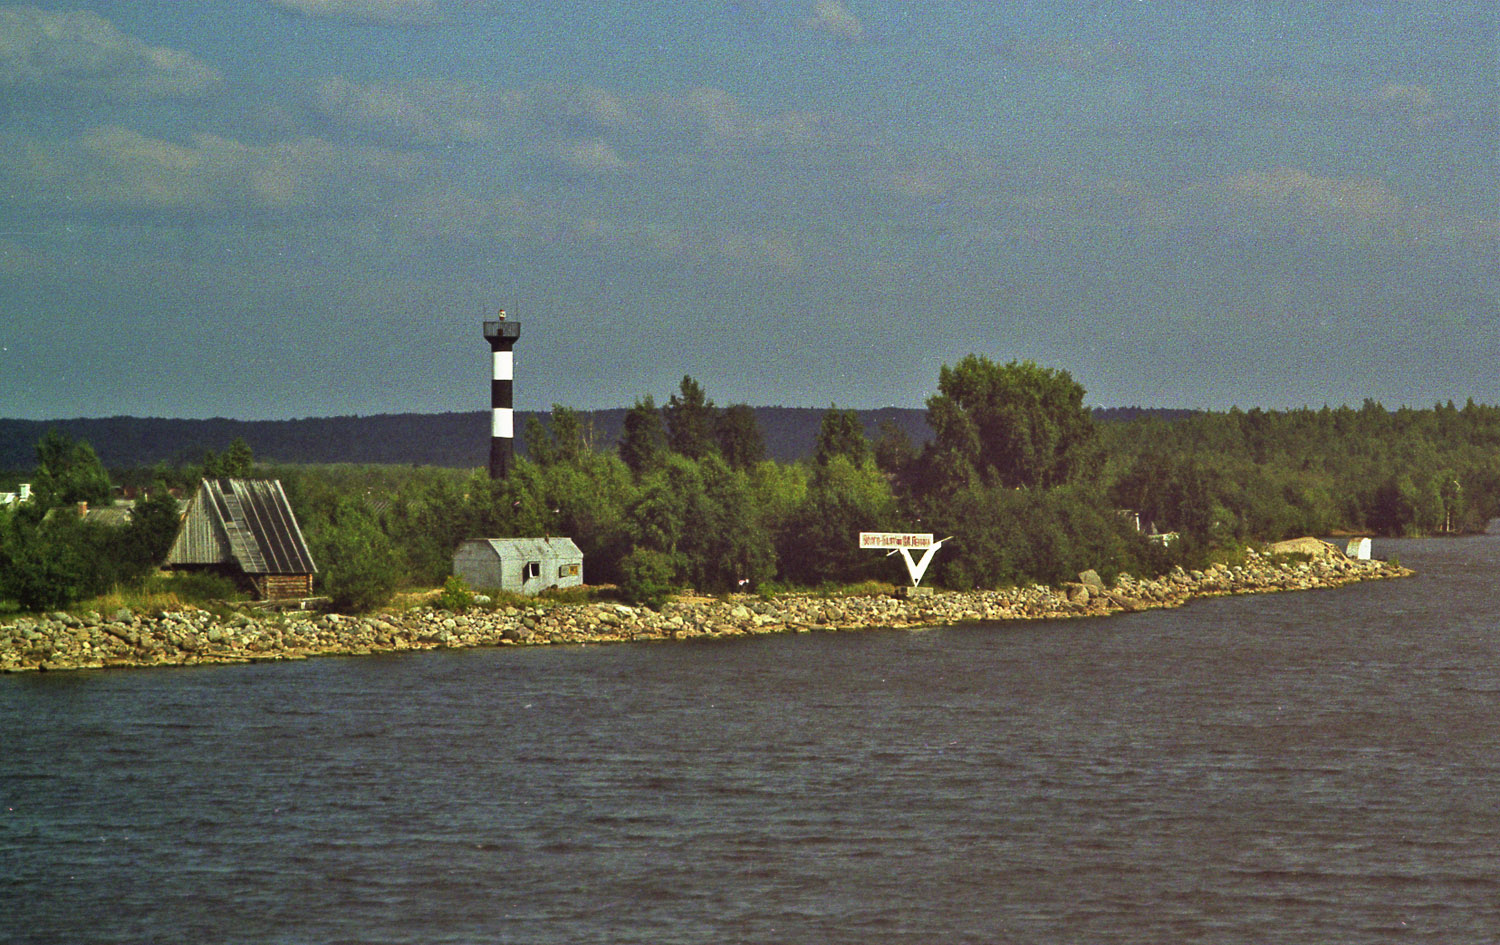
<point x="286" y="208"/>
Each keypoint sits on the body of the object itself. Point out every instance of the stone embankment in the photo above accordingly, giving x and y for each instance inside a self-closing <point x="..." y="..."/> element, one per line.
<point x="190" y="636"/>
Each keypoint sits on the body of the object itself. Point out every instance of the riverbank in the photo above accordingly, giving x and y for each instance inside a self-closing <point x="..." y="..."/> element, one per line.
<point x="64" y="641"/>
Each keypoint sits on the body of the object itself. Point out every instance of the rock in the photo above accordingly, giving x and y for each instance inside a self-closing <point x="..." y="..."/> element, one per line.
<point x="1090" y="579"/>
<point x="1307" y="546"/>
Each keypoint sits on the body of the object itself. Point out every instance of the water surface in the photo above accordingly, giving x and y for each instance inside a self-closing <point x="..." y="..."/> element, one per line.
<point x="1309" y="767"/>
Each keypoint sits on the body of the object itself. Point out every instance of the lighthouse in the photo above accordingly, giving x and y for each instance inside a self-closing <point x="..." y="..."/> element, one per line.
<point x="501" y="335"/>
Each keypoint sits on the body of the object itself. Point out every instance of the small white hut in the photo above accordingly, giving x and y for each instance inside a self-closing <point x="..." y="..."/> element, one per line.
<point x="519" y="565"/>
<point x="1359" y="549"/>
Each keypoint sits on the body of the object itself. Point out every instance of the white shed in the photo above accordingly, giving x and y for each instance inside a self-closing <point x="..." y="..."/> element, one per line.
<point x="1359" y="549"/>
<point x="519" y="565"/>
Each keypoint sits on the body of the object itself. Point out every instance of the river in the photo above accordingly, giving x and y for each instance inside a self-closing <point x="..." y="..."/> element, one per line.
<point x="1306" y="767"/>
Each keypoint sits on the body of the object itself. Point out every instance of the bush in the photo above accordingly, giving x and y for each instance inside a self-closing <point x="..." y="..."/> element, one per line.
<point x="357" y="562"/>
<point x="455" y="595"/>
<point x="195" y="587"/>
<point x="647" y="577"/>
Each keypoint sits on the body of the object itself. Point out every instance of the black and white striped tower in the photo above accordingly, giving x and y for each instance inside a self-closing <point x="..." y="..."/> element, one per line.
<point x="502" y="336"/>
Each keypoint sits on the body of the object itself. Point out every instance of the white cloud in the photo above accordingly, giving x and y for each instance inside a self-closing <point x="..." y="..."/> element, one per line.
<point x="1418" y="105"/>
<point x="84" y="53"/>
<point x="590" y="156"/>
<point x="835" y="18"/>
<point x="424" y="112"/>
<point x="116" y="168"/>
<point x="382" y="11"/>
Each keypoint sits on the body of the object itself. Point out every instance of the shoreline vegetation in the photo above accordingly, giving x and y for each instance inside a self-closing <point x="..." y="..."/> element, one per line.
<point x="191" y="636"/>
<point x="1034" y="492"/>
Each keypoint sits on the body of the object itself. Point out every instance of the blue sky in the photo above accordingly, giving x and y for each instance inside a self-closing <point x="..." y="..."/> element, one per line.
<point x="268" y="209"/>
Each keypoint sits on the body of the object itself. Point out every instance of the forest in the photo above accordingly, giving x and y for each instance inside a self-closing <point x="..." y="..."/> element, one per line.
<point x="1029" y="484"/>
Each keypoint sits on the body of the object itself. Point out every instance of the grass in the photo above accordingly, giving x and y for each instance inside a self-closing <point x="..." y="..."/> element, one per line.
<point x="773" y="589"/>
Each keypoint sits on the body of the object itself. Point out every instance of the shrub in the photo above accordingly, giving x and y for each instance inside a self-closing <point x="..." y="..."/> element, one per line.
<point x="195" y="587"/>
<point x="358" y="564"/>
<point x="647" y="577"/>
<point x="455" y="595"/>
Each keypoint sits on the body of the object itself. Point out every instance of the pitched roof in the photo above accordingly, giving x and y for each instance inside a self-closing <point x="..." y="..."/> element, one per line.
<point x="247" y="521"/>
<point x="533" y="548"/>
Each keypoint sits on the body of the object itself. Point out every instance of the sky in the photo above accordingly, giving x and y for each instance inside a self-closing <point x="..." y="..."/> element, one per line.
<point x="270" y="209"/>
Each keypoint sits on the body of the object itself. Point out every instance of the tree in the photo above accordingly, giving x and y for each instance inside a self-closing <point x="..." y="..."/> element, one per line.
<point x="234" y="463"/>
<point x="359" y="564"/>
<point x="566" y="440"/>
<point x="894" y="452"/>
<point x="40" y="569"/>
<point x="1016" y="425"/>
<point x="841" y="434"/>
<point x="739" y="437"/>
<point x="68" y="472"/>
<point x="644" y="441"/>
<point x="819" y="541"/>
<point x="690" y="417"/>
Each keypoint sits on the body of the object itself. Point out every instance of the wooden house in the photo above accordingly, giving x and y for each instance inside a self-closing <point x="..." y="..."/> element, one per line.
<point x="245" y="528"/>
<point x="519" y="565"/>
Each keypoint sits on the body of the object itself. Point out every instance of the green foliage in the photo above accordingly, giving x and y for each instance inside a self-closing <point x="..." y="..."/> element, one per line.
<point x="154" y="523"/>
<point x="739" y="437"/>
<point x="1015" y="536"/>
<point x="841" y="434"/>
<point x="1029" y="489"/>
<point x="894" y="452"/>
<point x="1016" y="425"/>
<point x="565" y="440"/>
<point x="68" y="472"/>
<point x="234" y="463"/>
<point x="818" y="543"/>
<point x="358" y="566"/>
<point x="194" y="587"/>
<point x="692" y="420"/>
<point x="647" y="577"/>
<point x="39" y="568"/>
<point x="455" y="595"/>
<point x="1258" y="474"/>
<point x="643" y="444"/>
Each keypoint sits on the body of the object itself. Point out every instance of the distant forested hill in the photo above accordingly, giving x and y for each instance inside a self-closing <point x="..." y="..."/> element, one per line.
<point x="459" y="440"/>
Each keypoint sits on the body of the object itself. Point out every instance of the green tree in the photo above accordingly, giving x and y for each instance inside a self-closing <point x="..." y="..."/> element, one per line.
<point x="893" y="450"/>
<point x="359" y="567"/>
<point x="739" y="437"/>
<point x="41" y="569"/>
<point x="153" y="525"/>
<point x="68" y="472"/>
<point x="819" y="542"/>
<point x="647" y="577"/>
<point x="841" y="434"/>
<point x="643" y="444"/>
<point x="234" y="463"/>
<point x="691" y="420"/>
<point x="564" y="440"/>
<point x="1015" y="425"/>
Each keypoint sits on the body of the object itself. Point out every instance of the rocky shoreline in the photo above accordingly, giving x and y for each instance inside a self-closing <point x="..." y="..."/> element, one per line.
<point x="63" y="641"/>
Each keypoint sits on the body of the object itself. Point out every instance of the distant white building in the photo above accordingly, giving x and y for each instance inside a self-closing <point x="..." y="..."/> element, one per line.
<point x="1359" y="549"/>
<point x="16" y="498"/>
<point x="519" y="565"/>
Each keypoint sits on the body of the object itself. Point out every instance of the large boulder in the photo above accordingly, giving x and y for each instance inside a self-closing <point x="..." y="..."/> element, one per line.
<point x="1091" y="579"/>
<point x="1315" y="547"/>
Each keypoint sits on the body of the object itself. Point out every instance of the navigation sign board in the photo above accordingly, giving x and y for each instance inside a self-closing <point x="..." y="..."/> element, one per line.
<point x="890" y="541"/>
<point x="903" y="543"/>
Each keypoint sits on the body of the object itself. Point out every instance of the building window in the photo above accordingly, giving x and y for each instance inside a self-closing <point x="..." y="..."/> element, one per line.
<point x="532" y="569"/>
<point x="567" y="570"/>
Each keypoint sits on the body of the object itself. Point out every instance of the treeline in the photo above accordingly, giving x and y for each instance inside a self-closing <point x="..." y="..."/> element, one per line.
<point x="1030" y="485"/>
<point x="1265" y="474"/>
<point x="458" y="440"/>
<point x="686" y="496"/>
